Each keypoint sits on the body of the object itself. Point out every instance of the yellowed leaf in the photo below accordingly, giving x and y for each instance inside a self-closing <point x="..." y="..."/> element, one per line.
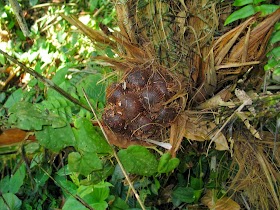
<point x="219" y="204"/>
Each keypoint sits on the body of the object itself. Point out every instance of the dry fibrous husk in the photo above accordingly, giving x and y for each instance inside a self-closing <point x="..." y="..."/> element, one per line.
<point x="257" y="176"/>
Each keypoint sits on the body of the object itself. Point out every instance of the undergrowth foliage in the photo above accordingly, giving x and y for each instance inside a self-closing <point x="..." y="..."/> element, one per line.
<point x="71" y="165"/>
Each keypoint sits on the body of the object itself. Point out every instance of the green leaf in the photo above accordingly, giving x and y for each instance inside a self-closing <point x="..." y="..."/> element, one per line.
<point x="239" y="3"/>
<point x="66" y="185"/>
<point x="27" y="116"/>
<point x="5" y="184"/>
<point x="101" y="191"/>
<point x="33" y="2"/>
<point x="14" y="98"/>
<point x="2" y="59"/>
<point x="184" y="194"/>
<point x="119" y="204"/>
<point x="167" y="164"/>
<point x="255" y="2"/>
<point x="93" y="4"/>
<point x="276" y="71"/>
<point x="56" y="139"/>
<point x="84" y="164"/>
<point x="138" y="160"/>
<point x="244" y="12"/>
<point x="275" y="37"/>
<point x="95" y="195"/>
<point x="275" y="53"/>
<point x="102" y="205"/>
<point x="16" y="180"/>
<point x="94" y="89"/>
<point x="72" y="204"/>
<point x="266" y="9"/>
<point x="271" y="63"/>
<point x="10" y="201"/>
<point x="42" y="176"/>
<point x="196" y="183"/>
<point x="88" y="138"/>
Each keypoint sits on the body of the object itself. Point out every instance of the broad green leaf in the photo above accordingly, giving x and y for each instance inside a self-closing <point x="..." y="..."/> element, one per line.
<point x="275" y="37"/>
<point x="64" y="171"/>
<point x="72" y="204"/>
<point x="28" y="116"/>
<point x="102" y="205"/>
<point x="5" y="184"/>
<point x="66" y="185"/>
<point x="138" y="160"/>
<point x="196" y="183"/>
<point x="244" y="12"/>
<point x="88" y="138"/>
<point x="14" y="98"/>
<point x="272" y="62"/>
<point x="56" y="139"/>
<point x="99" y="193"/>
<point x="2" y="97"/>
<point x="239" y="3"/>
<point x="119" y="204"/>
<point x="184" y="194"/>
<point x="42" y="176"/>
<point x="84" y="164"/>
<point x="266" y="9"/>
<point x="10" y="201"/>
<point x="275" y="53"/>
<point x="167" y="164"/>
<point x="16" y="180"/>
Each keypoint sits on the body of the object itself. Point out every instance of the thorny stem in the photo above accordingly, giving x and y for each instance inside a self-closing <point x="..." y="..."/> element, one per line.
<point x="45" y="81"/>
<point x="115" y="154"/>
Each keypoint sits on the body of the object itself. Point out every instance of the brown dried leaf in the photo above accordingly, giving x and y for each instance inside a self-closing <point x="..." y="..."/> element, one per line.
<point x="177" y="133"/>
<point x="13" y="136"/>
<point x="201" y="130"/>
<point x="219" y="204"/>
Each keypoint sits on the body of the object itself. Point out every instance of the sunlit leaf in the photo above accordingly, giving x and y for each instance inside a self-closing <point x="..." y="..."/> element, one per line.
<point x="244" y="12"/>
<point x="138" y="160"/>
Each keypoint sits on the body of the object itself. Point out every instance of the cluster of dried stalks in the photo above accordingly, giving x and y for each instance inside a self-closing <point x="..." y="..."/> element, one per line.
<point x="187" y="38"/>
